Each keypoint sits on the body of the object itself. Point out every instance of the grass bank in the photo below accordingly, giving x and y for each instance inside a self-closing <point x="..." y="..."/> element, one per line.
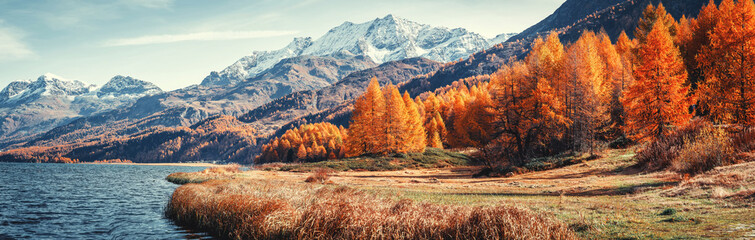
<point x="218" y="172"/>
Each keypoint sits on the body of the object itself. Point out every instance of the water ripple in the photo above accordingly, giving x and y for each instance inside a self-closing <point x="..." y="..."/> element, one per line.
<point x="75" y="201"/>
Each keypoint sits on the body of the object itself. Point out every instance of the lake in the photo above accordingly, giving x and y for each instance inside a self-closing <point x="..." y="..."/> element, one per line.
<point x="87" y="201"/>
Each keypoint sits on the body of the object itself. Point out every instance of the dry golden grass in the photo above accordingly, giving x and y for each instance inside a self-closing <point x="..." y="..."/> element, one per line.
<point x="219" y="172"/>
<point x="252" y="209"/>
<point x="721" y="182"/>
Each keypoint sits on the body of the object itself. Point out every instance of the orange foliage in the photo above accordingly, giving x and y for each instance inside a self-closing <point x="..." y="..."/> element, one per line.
<point x="307" y="143"/>
<point x="657" y="98"/>
<point x="384" y="122"/>
<point x="650" y="16"/>
<point x="728" y="63"/>
<point x="367" y="126"/>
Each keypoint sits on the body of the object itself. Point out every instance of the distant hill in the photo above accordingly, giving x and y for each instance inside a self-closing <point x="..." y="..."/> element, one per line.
<point x="220" y="138"/>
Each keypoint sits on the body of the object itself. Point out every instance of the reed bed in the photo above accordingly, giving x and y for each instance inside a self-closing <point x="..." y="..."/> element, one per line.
<point x="247" y="209"/>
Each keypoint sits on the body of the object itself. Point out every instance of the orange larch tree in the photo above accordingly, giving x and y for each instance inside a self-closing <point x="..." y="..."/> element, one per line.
<point x="396" y="134"/>
<point x="698" y="37"/>
<point x="367" y="126"/>
<point x="589" y="96"/>
<point x="416" y="137"/>
<point x="650" y="16"/>
<point x="728" y="63"/>
<point x="435" y="126"/>
<point x="613" y="68"/>
<point x="525" y="111"/>
<point x="658" y="97"/>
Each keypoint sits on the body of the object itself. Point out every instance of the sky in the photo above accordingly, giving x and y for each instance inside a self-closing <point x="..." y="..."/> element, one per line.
<point x="176" y="43"/>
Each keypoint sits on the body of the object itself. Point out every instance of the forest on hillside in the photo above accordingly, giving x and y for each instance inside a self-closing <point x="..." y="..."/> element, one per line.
<point x="681" y="82"/>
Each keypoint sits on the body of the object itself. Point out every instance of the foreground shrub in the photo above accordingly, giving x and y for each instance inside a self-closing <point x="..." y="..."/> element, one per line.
<point x="710" y="148"/>
<point x="320" y="175"/>
<point x="247" y="209"/>
<point x="695" y="148"/>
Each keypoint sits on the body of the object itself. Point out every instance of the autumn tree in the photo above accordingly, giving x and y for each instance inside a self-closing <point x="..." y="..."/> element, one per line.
<point x="547" y="64"/>
<point x="650" y="16"/>
<point x="434" y="124"/>
<point x="368" y="126"/>
<point x="588" y="92"/>
<point x="657" y="98"/>
<point x="396" y="132"/>
<point x="385" y="122"/>
<point x="613" y="85"/>
<point x="728" y="63"/>
<point x="694" y="37"/>
<point x="525" y="112"/>
<point x="416" y="137"/>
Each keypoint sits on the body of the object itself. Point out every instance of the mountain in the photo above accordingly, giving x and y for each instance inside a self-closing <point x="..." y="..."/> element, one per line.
<point x="126" y="87"/>
<point x="382" y="40"/>
<point x="259" y="61"/>
<point x="47" y="86"/>
<point x="31" y="107"/>
<point x="612" y="16"/>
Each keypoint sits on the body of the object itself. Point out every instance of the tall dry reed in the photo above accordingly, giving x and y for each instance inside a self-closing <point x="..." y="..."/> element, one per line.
<point x="245" y="209"/>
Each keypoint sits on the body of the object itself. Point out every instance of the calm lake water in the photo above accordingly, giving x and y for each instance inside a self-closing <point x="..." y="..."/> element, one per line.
<point x="86" y="201"/>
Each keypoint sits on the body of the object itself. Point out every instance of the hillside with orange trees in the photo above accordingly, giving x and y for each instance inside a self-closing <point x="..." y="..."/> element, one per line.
<point x="221" y="138"/>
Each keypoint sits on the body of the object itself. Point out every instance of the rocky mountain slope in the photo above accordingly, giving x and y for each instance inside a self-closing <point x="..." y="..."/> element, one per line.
<point x="613" y="16"/>
<point x="270" y="117"/>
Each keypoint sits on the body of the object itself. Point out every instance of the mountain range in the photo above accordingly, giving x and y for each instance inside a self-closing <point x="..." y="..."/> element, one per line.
<point x="262" y="77"/>
<point x="30" y="107"/>
<point x="382" y="40"/>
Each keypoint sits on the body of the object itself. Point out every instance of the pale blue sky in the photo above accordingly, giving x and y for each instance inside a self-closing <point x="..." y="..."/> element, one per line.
<point x="176" y="43"/>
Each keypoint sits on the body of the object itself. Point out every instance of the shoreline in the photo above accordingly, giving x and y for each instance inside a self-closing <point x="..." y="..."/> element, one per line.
<point x="165" y="164"/>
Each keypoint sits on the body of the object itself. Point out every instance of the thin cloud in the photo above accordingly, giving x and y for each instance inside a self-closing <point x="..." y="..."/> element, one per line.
<point x="11" y="46"/>
<point x="200" y="36"/>
<point x="150" y="3"/>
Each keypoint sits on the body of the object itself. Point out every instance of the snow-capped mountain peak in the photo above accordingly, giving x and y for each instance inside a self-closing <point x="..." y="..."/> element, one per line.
<point x="120" y="86"/>
<point x="250" y="66"/>
<point x="383" y="39"/>
<point x="52" y="85"/>
<point x="13" y="89"/>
